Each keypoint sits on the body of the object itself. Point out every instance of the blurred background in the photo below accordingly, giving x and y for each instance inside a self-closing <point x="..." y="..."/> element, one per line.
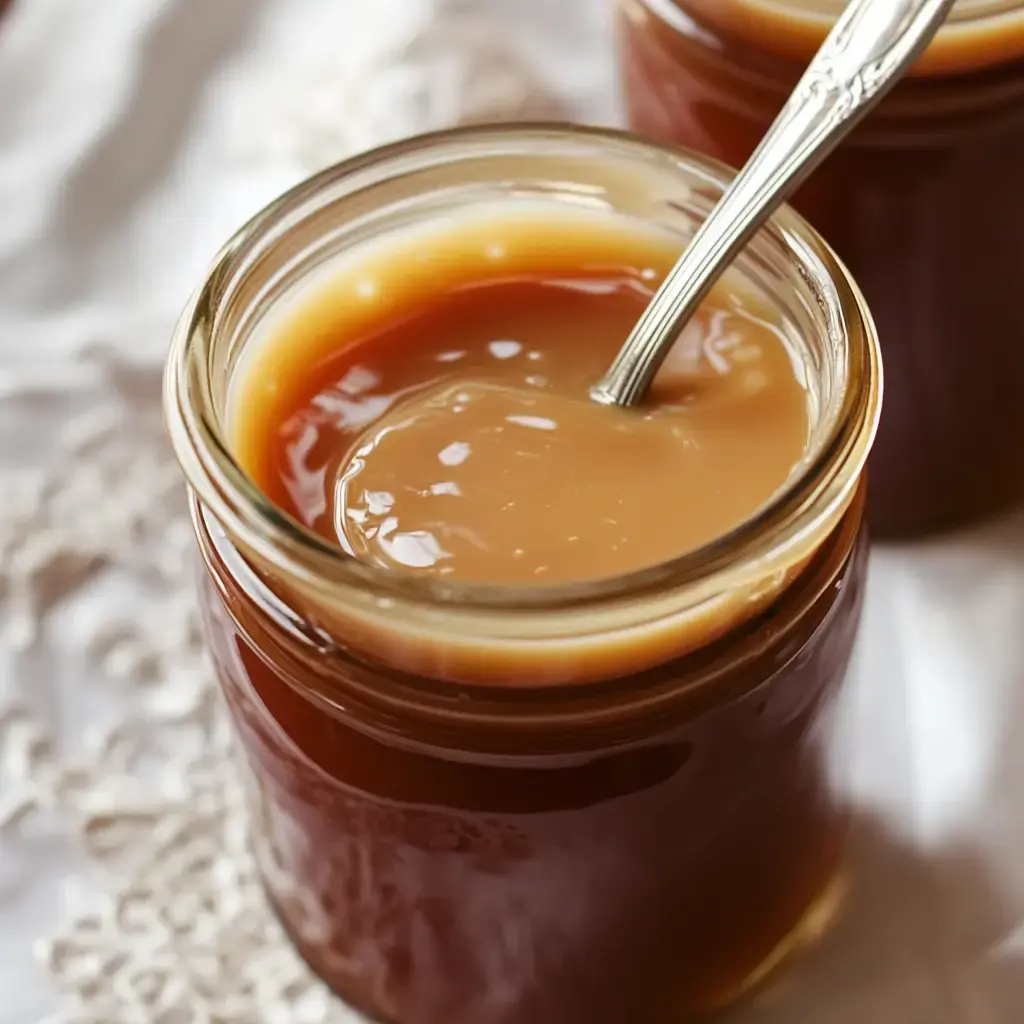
<point x="135" y="136"/>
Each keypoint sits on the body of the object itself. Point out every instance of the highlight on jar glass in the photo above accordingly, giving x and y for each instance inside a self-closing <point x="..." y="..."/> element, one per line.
<point x="536" y="696"/>
<point x="922" y="202"/>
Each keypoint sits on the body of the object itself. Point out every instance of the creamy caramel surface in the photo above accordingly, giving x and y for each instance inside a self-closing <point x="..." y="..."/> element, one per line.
<point x="426" y="408"/>
<point x="977" y="34"/>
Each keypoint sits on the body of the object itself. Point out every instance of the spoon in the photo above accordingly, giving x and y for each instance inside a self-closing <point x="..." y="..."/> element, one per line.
<point x="865" y="54"/>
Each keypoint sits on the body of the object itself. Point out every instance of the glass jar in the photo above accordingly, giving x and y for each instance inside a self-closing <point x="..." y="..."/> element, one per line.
<point x="489" y="805"/>
<point x="923" y="203"/>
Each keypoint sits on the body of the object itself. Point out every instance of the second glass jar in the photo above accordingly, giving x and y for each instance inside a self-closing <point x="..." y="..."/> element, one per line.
<point x="924" y="204"/>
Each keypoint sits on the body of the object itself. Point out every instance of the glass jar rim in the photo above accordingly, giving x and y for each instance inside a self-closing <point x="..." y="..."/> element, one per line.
<point x="228" y="492"/>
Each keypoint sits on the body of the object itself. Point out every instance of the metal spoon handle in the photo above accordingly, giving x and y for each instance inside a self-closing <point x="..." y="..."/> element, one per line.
<point x="869" y="47"/>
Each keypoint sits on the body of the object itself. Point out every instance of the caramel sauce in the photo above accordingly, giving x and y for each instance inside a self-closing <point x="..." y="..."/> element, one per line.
<point x="642" y="845"/>
<point x="977" y="33"/>
<point x="450" y="432"/>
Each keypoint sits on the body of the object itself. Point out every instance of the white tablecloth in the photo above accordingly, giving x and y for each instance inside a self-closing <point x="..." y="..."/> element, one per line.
<point x="134" y="136"/>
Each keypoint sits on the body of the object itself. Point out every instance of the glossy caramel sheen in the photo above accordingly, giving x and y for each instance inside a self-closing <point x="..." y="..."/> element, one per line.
<point x="450" y="432"/>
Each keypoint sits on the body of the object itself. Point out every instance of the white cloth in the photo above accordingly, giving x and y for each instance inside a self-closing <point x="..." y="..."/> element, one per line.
<point x="135" y="135"/>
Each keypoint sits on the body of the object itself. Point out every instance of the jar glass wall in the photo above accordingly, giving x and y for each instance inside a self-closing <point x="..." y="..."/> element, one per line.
<point x="606" y="801"/>
<point x="922" y="203"/>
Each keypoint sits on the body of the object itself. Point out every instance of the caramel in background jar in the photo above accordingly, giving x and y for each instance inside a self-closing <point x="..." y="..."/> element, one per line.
<point x="923" y="203"/>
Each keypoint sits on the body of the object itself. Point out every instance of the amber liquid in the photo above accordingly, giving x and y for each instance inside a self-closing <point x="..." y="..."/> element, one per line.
<point x="650" y="877"/>
<point x="643" y="858"/>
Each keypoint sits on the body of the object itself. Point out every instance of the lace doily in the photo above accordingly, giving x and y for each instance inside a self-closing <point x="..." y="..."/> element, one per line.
<point x="95" y="542"/>
<point x="152" y="797"/>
